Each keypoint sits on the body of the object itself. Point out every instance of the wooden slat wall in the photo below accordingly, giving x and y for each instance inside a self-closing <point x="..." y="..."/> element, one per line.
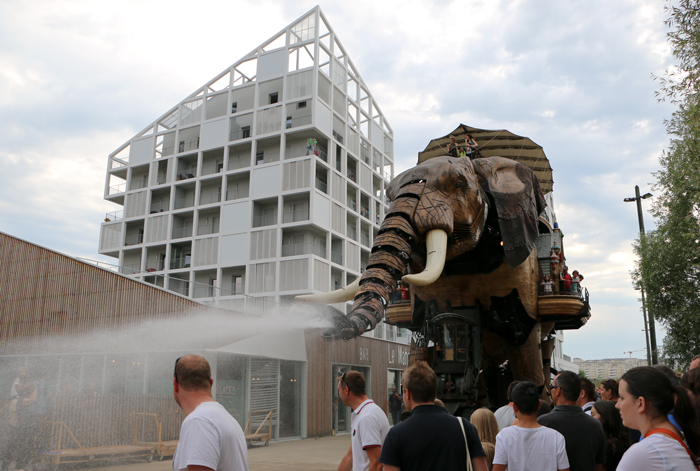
<point x="378" y="354"/>
<point x="104" y="420"/>
<point x="44" y="293"/>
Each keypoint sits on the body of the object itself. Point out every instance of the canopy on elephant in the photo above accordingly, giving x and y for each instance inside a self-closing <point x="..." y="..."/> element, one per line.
<point x="498" y="143"/>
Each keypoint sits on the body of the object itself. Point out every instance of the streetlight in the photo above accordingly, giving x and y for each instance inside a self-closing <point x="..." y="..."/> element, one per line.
<point x="651" y="331"/>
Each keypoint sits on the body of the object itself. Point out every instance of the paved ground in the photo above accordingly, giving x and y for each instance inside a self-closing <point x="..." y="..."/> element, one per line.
<point x="314" y="454"/>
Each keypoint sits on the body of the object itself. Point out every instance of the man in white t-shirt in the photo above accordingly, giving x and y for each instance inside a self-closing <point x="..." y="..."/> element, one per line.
<point x="369" y="425"/>
<point x="210" y="438"/>
<point x="529" y="445"/>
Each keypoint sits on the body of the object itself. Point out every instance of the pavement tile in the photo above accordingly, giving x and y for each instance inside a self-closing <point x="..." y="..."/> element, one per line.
<point x="312" y="454"/>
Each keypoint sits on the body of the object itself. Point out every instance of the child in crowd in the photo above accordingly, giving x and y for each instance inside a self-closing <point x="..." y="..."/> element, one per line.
<point x="528" y="445"/>
<point x="547" y="285"/>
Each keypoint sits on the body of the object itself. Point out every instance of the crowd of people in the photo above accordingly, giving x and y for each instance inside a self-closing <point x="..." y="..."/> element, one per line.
<point x="569" y="284"/>
<point x="649" y="420"/>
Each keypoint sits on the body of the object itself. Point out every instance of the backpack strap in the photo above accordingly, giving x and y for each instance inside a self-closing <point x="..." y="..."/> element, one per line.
<point x="464" y="434"/>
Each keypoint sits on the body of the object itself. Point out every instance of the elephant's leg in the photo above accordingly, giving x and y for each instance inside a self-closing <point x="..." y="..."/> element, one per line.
<point x="493" y="354"/>
<point x="547" y="349"/>
<point x="526" y="360"/>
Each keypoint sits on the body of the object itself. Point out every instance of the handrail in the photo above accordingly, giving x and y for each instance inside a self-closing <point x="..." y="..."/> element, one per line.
<point x="114" y="216"/>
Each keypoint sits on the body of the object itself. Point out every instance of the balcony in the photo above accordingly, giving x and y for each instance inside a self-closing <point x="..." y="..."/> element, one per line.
<point x="204" y="291"/>
<point x="296" y="216"/>
<point x="236" y="194"/>
<point x="321" y="185"/>
<point x="114" y="216"/>
<point x="352" y="234"/>
<point x="365" y="240"/>
<point x="130" y="269"/>
<point x="242" y="134"/>
<point x="191" y="144"/>
<point x="208" y="198"/>
<point x="160" y="207"/>
<point x="352" y="176"/>
<point x="337" y="258"/>
<point x="184" y="202"/>
<point x="186" y="173"/>
<point x="364" y="212"/>
<point x="139" y="183"/>
<point x="338" y="137"/>
<point x="303" y="249"/>
<point x="160" y="179"/>
<point x="183" y="290"/>
<point x="207" y="229"/>
<point x="155" y="266"/>
<point x="267" y="220"/>
<point x="298" y="121"/>
<point x="133" y="239"/>
<point x="211" y="169"/>
<point x="116" y="189"/>
<point x="180" y="262"/>
<point x="180" y="232"/>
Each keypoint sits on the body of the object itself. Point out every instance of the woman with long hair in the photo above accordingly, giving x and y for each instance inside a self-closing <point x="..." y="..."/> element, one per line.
<point x="646" y="398"/>
<point x="616" y="434"/>
<point x="487" y="427"/>
<point x="486" y="424"/>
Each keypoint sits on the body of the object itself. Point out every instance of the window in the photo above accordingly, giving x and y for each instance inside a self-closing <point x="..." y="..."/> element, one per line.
<point x="245" y="132"/>
<point x="260" y="157"/>
<point x="234" y="107"/>
<point x="289" y="122"/>
<point x="274" y="97"/>
<point x="237" y="283"/>
<point x="301" y="104"/>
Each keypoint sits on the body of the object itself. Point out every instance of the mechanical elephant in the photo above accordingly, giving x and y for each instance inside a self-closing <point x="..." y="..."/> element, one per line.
<point x="461" y="234"/>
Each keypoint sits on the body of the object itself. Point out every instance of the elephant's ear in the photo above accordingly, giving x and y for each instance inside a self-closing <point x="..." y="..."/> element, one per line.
<point x="519" y="202"/>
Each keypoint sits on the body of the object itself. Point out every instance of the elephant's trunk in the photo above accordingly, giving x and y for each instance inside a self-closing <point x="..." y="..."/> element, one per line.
<point x="387" y="264"/>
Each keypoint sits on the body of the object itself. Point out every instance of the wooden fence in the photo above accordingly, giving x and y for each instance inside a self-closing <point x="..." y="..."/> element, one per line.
<point x="104" y="420"/>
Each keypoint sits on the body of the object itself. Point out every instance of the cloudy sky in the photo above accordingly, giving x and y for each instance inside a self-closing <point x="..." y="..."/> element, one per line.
<point x="79" y="78"/>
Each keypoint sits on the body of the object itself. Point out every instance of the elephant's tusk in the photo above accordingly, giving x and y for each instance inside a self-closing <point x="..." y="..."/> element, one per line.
<point x="436" y="246"/>
<point x="338" y="296"/>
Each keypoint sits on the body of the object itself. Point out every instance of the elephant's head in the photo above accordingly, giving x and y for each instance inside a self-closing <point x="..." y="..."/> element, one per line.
<point x="440" y="210"/>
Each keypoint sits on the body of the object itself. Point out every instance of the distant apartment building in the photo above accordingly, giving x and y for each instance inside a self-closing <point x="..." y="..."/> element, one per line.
<point x="265" y="183"/>
<point x="609" y="367"/>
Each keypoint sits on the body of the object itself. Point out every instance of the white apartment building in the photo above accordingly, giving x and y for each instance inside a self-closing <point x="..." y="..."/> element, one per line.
<point x="265" y="183"/>
<point x="609" y="367"/>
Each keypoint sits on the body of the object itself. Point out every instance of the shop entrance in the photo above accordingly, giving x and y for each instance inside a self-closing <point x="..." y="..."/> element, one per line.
<point x="340" y="413"/>
<point x="393" y="380"/>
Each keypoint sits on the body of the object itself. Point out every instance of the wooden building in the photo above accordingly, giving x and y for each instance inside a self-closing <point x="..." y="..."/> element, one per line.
<point x="103" y="345"/>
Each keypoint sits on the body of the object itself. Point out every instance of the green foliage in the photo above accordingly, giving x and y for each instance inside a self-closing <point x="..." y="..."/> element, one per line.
<point x="670" y="255"/>
<point x="581" y="374"/>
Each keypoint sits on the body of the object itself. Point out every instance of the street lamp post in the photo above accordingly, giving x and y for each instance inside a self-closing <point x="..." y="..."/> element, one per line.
<point x="651" y="330"/>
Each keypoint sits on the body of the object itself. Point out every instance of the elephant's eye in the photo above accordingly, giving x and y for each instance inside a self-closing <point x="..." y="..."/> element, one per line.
<point x="461" y="184"/>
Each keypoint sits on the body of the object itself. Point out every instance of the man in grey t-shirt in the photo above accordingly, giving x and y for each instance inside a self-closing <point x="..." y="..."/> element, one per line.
<point x="506" y="415"/>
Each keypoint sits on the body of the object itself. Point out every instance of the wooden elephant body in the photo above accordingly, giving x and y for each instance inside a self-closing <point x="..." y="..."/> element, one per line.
<point x="460" y="234"/>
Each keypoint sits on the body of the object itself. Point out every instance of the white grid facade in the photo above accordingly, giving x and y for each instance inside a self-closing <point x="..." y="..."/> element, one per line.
<point x="267" y="182"/>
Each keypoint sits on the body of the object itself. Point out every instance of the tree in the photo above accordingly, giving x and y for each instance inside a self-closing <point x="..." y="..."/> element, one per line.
<point x="581" y="374"/>
<point x="669" y="257"/>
